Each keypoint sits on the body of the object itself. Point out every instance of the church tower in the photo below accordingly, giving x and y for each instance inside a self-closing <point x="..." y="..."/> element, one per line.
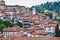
<point x="2" y="5"/>
<point x="33" y="11"/>
<point x="2" y="2"/>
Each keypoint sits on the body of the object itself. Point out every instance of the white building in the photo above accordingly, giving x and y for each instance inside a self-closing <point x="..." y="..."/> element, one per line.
<point x="49" y="29"/>
<point x="11" y="31"/>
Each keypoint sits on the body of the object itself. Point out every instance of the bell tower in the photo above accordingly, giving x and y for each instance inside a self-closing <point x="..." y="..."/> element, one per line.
<point x="2" y="5"/>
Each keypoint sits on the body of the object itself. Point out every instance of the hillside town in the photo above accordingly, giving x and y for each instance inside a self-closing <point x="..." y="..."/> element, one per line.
<point x="36" y="26"/>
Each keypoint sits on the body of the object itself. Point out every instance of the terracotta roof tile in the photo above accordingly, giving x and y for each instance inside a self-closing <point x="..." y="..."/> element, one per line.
<point x="43" y="33"/>
<point x="34" y="38"/>
<point x="12" y="29"/>
<point x="24" y="17"/>
<point x="25" y="11"/>
<point x="1" y="35"/>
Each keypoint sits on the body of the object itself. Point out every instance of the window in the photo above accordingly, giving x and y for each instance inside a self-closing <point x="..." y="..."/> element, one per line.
<point x="26" y="14"/>
<point x="49" y="29"/>
<point x="31" y="24"/>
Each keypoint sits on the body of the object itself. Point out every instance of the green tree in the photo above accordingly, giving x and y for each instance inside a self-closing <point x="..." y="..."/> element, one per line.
<point x="19" y="24"/>
<point x="8" y="23"/>
<point x="57" y="31"/>
<point x="54" y="6"/>
<point x="57" y="28"/>
<point x="58" y="20"/>
<point x="2" y="26"/>
<point x="1" y="21"/>
<point x="49" y="14"/>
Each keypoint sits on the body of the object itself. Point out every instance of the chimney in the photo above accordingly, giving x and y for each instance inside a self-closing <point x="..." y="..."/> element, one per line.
<point x="33" y="11"/>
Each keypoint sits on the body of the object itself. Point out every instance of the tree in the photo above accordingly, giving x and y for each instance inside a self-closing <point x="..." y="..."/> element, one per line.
<point x="54" y="6"/>
<point x="50" y="15"/>
<point x="58" y="20"/>
<point x="57" y="31"/>
<point x="2" y="26"/>
<point x="19" y="24"/>
<point x="57" y="28"/>
<point x="1" y="21"/>
<point x="8" y="23"/>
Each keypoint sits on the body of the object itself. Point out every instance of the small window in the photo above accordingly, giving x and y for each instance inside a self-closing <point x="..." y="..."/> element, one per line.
<point x="26" y="14"/>
<point x="49" y="29"/>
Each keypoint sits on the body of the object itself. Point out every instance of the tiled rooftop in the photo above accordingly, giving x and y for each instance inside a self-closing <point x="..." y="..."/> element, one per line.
<point x="34" y="38"/>
<point x="12" y="29"/>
